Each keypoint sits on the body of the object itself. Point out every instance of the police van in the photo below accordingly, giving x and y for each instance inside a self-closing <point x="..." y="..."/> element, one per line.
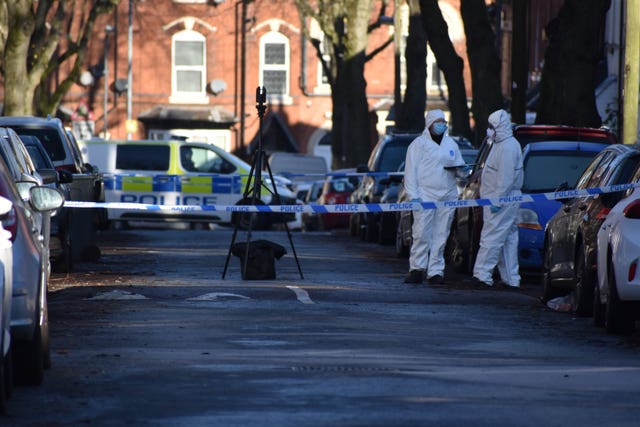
<point x="181" y="174"/>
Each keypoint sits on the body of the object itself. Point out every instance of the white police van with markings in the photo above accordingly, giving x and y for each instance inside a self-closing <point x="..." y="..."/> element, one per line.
<point x="180" y="173"/>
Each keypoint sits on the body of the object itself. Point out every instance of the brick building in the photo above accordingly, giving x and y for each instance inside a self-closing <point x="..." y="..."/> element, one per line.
<point x="188" y="72"/>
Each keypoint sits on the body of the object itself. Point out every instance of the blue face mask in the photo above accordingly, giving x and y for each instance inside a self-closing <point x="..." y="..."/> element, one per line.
<point x="439" y="128"/>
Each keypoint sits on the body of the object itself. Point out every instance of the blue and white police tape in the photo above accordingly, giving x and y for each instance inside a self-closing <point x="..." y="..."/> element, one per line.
<point x="351" y="208"/>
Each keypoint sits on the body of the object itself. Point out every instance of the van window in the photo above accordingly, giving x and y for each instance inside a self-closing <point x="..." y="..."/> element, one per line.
<point x="143" y="157"/>
<point x="200" y="159"/>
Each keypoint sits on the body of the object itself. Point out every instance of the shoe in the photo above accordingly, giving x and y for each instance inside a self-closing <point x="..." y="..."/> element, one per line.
<point x="436" y="279"/>
<point x="414" y="277"/>
<point x="480" y="283"/>
<point x="505" y="285"/>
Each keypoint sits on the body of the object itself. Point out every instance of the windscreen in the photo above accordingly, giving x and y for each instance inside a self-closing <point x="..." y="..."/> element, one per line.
<point x="50" y="139"/>
<point x="393" y="155"/>
<point x="544" y="171"/>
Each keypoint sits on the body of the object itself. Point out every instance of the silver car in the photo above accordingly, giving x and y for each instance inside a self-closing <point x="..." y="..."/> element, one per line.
<point x="29" y="317"/>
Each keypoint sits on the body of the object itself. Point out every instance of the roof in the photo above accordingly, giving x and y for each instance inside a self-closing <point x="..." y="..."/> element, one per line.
<point x="171" y="116"/>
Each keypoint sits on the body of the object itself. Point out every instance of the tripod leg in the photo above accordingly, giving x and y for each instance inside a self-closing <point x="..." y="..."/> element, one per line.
<point x="233" y="239"/>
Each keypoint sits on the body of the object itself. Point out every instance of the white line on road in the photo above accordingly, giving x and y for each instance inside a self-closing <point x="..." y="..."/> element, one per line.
<point x="301" y="294"/>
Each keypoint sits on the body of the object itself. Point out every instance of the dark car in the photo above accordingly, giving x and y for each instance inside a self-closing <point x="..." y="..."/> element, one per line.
<point x="60" y="243"/>
<point x="570" y="239"/>
<point x="386" y="157"/>
<point x="552" y="156"/>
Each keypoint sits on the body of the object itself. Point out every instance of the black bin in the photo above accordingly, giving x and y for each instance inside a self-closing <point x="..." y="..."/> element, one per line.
<point x="260" y="259"/>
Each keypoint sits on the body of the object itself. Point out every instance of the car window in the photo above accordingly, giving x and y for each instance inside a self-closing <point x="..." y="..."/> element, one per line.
<point x="391" y="156"/>
<point x="558" y="167"/>
<point x="625" y="172"/>
<point x="50" y="139"/>
<point x="206" y="160"/>
<point x="604" y="158"/>
<point x="143" y="157"/>
<point x="38" y="157"/>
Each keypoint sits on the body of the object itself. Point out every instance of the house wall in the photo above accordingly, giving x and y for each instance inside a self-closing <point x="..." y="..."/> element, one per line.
<point x="307" y="111"/>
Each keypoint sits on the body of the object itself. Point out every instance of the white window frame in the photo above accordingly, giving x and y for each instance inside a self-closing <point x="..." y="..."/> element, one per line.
<point x="183" y="97"/>
<point x="321" y="86"/>
<point x="275" y="37"/>
<point x="432" y="82"/>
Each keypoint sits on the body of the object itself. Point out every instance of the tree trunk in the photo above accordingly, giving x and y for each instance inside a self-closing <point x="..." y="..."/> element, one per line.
<point x="18" y="89"/>
<point x="410" y="114"/>
<point x="450" y="64"/>
<point x="484" y="63"/>
<point x="569" y="75"/>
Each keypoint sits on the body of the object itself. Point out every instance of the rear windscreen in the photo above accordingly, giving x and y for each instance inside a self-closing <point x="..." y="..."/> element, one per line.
<point x="544" y="171"/>
<point x="143" y="157"/>
<point x="50" y="139"/>
<point x="393" y="154"/>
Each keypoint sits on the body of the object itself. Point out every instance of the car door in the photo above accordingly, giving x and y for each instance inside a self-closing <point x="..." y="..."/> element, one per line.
<point x="569" y="217"/>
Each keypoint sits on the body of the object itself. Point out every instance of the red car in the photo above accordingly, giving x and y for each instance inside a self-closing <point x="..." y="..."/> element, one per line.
<point x="336" y="190"/>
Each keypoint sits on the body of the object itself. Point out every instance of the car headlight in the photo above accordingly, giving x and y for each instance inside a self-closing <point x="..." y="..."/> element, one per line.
<point x="528" y="218"/>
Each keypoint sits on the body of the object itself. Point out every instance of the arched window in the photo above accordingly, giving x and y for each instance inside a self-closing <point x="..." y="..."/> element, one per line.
<point x="188" y="67"/>
<point x="274" y="64"/>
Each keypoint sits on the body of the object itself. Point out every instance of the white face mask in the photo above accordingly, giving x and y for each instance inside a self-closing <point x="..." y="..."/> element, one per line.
<point x="491" y="133"/>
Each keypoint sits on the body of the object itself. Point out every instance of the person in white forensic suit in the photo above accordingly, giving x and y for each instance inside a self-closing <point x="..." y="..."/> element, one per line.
<point x="430" y="175"/>
<point x="502" y="176"/>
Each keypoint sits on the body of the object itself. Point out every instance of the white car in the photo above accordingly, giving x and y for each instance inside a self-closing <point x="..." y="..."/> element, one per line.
<point x="6" y="273"/>
<point x="617" y="297"/>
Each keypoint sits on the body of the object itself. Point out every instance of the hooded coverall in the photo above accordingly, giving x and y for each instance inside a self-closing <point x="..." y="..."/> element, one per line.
<point x="426" y="178"/>
<point x="502" y="176"/>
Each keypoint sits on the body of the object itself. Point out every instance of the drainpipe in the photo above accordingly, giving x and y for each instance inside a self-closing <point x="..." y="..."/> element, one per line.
<point x="631" y="71"/>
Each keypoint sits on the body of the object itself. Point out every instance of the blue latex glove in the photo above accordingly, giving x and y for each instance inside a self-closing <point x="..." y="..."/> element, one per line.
<point x="495" y="209"/>
<point x="416" y="200"/>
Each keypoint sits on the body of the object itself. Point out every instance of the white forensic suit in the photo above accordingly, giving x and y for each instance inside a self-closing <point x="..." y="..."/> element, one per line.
<point x="502" y="176"/>
<point x="426" y="178"/>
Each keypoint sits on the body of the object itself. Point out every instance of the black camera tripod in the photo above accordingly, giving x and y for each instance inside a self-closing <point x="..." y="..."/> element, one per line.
<point x="254" y="188"/>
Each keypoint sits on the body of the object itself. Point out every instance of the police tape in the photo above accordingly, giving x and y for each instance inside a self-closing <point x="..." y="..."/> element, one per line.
<point x="354" y="207"/>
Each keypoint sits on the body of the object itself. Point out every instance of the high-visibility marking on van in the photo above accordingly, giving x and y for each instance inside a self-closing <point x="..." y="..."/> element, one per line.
<point x="191" y="184"/>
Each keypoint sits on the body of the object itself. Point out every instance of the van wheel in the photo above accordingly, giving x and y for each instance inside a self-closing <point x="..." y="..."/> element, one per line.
<point x="257" y="220"/>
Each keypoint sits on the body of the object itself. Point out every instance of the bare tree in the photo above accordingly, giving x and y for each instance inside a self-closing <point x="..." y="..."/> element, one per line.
<point x="35" y="39"/>
<point x="569" y="75"/>
<point x="484" y="63"/>
<point x="450" y="63"/>
<point x="346" y="24"/>
<point x="409" y="110"/>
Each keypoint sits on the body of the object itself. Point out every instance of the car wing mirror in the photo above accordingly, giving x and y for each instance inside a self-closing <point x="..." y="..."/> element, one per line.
<point x="65" y="177"/>
<point x="49" y="176"/>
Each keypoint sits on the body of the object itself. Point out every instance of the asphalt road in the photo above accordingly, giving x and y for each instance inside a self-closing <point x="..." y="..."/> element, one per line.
<point x="151" y="335"/>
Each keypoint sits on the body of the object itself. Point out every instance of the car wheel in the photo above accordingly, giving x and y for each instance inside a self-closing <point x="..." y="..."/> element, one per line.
<point x="371" y="229"/>
<point x="617" y="318"/>
<point x="598" y="309"/>
<point x="548" y="290"/>
<point x="402" y="250"/>
<point x="457" y="255"/>
<point x="353" y="225"/>
<point x="7" y="365"/>
<point x="583" y="296"/>
<point x="386" y="228"/>
<point x="28" y="367"/>
<point x="4" y="395"/>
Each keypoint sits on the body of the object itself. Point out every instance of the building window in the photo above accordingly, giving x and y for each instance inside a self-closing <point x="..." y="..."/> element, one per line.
<point x="274" y="65"/>
<point x="436" y="84"/>
<point x="189" y="71"/>
<point x="323" y="78"/>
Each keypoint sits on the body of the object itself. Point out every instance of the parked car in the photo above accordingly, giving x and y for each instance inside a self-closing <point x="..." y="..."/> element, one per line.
<point x="562" y="152"/>
<point x="29" y="314"/>
<point x="617" y="294"/>
<point x="60" y="242"/>
<point x="310" y="220"/>
<point x="6" y="289"/>
<point x="570" y="235"/>
<point x="87" y="184"/>
<point x="336" y="189"/>
<point x="386" y="157"/>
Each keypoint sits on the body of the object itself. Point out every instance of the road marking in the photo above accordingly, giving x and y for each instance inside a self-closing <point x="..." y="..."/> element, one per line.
<point x="301" y="294"/>
<point x="215" y="296"/>
<point x="116" y="295"/>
